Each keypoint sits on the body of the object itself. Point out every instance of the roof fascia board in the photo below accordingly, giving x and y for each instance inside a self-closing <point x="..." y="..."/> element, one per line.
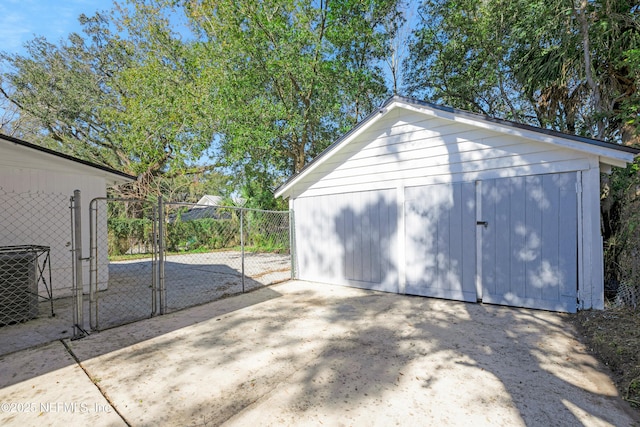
<point x="607" y="155"/>
<point x="336" y="147"/>
<point x="64" y="159"/>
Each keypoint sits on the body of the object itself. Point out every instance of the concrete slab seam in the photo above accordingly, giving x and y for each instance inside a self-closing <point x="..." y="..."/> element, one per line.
<point x="267" y="393"/>
<point x="102" y="392"/>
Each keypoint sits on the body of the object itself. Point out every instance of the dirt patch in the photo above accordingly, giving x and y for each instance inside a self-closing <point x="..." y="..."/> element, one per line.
<point x="614" y="336"/>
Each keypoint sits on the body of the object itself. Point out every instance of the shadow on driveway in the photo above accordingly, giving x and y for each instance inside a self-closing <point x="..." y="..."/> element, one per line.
<point x="308" y="354"/>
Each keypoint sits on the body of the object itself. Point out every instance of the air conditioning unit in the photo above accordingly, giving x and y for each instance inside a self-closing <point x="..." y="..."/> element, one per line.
<point x="18" y="287"/>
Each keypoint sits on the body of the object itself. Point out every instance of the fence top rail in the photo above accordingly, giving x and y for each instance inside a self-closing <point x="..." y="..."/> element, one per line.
<point x="191" y="205"/>
<point x="120" y="199"/>
<point x="23" y="249"/>
<point x="196" y="205"/>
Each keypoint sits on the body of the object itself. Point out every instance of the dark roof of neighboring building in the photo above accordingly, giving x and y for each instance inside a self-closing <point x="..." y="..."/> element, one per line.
<point x="201" y="212"/>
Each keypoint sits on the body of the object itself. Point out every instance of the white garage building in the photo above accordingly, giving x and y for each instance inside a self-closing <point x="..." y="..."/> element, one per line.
<point x="426" y="200"/>
<point x="35" y="189"/>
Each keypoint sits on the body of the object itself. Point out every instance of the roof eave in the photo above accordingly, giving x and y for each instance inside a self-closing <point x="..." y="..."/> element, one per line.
<point x="608" y="153"/>
<point x="112" y="176"/>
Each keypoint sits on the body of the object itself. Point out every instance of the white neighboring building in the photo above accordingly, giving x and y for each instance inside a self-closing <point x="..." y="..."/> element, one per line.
<point x="208" y="200"/>
<point x="36" y="185"/>
<point x="427" y="200"/>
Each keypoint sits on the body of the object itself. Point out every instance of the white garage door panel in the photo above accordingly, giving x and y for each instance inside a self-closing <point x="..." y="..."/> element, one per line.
<point x="348" y="239"/>
<point x="440" y="241"/>
<point x="529" y="248"/>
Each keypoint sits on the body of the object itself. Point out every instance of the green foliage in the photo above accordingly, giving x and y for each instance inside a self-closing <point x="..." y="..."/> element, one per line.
<point x="459" y="56"/>
<point x="621" y="221"/>
<point x="533" y="61"/>
<point x="133" y="104"/>
<point x="256" y="89"/>
<point x="295" y="75"/>
<point x="265" y="231"/>
<point x="126" y="233"/>
<point x="205" y="233"/>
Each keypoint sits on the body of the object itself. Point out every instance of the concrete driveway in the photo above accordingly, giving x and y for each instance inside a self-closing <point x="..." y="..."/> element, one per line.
<point x="309" y="354"/>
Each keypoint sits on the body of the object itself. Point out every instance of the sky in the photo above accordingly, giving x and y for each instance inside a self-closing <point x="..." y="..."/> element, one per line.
<point x="22" y="20"/>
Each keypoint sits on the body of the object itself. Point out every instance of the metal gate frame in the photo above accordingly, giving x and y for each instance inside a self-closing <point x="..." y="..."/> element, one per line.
<point x="94" y="321"/>
<point x="158" y="254"/>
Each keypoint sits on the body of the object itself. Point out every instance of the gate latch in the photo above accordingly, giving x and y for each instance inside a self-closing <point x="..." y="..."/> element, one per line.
<point x="485" y="223"/>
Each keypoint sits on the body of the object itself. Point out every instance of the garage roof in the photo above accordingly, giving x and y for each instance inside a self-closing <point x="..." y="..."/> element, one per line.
<point x="20" y="153"/>
<point x="608" y="153"/>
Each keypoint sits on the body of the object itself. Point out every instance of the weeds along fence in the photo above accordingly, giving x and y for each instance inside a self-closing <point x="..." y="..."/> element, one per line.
<point x="621" y="255"/>
<point x="154" y="258"/>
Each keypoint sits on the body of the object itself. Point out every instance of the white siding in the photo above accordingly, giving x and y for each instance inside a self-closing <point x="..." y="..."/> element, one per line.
<point x="348" y="239"/>
<point x="35" y="210"/>
<point x="404" y="148"/>
<point x="407" y="148"/>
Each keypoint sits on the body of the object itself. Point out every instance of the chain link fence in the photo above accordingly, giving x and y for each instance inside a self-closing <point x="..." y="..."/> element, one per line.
<point x="123" y="258"/>
<point x="214" y="251"/>
<point x="144" y="259"/>
<point x="622" y="252"/>
<point x="149" y="259"/>
<point x="35" y="260"/>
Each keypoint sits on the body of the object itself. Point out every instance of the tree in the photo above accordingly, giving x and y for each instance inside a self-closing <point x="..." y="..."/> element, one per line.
<point x="458" y="55"/>
<point x="561" y="64"/>
<point x="131" y="104"/>
<point x="568" y="65"/>
<point x="295" y="75"/>
<point x="398" y="30"/>
<point x="257" y="88"/>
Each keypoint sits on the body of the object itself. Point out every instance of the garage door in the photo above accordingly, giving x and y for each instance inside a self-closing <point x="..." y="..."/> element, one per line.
<point x="529" y="248"/>
<point x="440" y="242"/>
<point x="513" y="244"/>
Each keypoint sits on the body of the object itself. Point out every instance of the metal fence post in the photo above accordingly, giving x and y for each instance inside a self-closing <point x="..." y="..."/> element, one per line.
<point x="154" y="261"/>
<point x="242" y="246"/>
<point x="78" y="317"/>
<point x="93" y="264"/>
<point x="292" y="242"/>
<point x="161" y="248"/>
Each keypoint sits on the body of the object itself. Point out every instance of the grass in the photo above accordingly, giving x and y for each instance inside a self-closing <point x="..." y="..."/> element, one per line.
<point x="263" y="249"/>
<point x="613" y="335"/>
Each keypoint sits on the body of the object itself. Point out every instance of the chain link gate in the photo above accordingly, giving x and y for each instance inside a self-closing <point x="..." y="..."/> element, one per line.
<point x="123" y="261"/>
<point x="148" y="259"/>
